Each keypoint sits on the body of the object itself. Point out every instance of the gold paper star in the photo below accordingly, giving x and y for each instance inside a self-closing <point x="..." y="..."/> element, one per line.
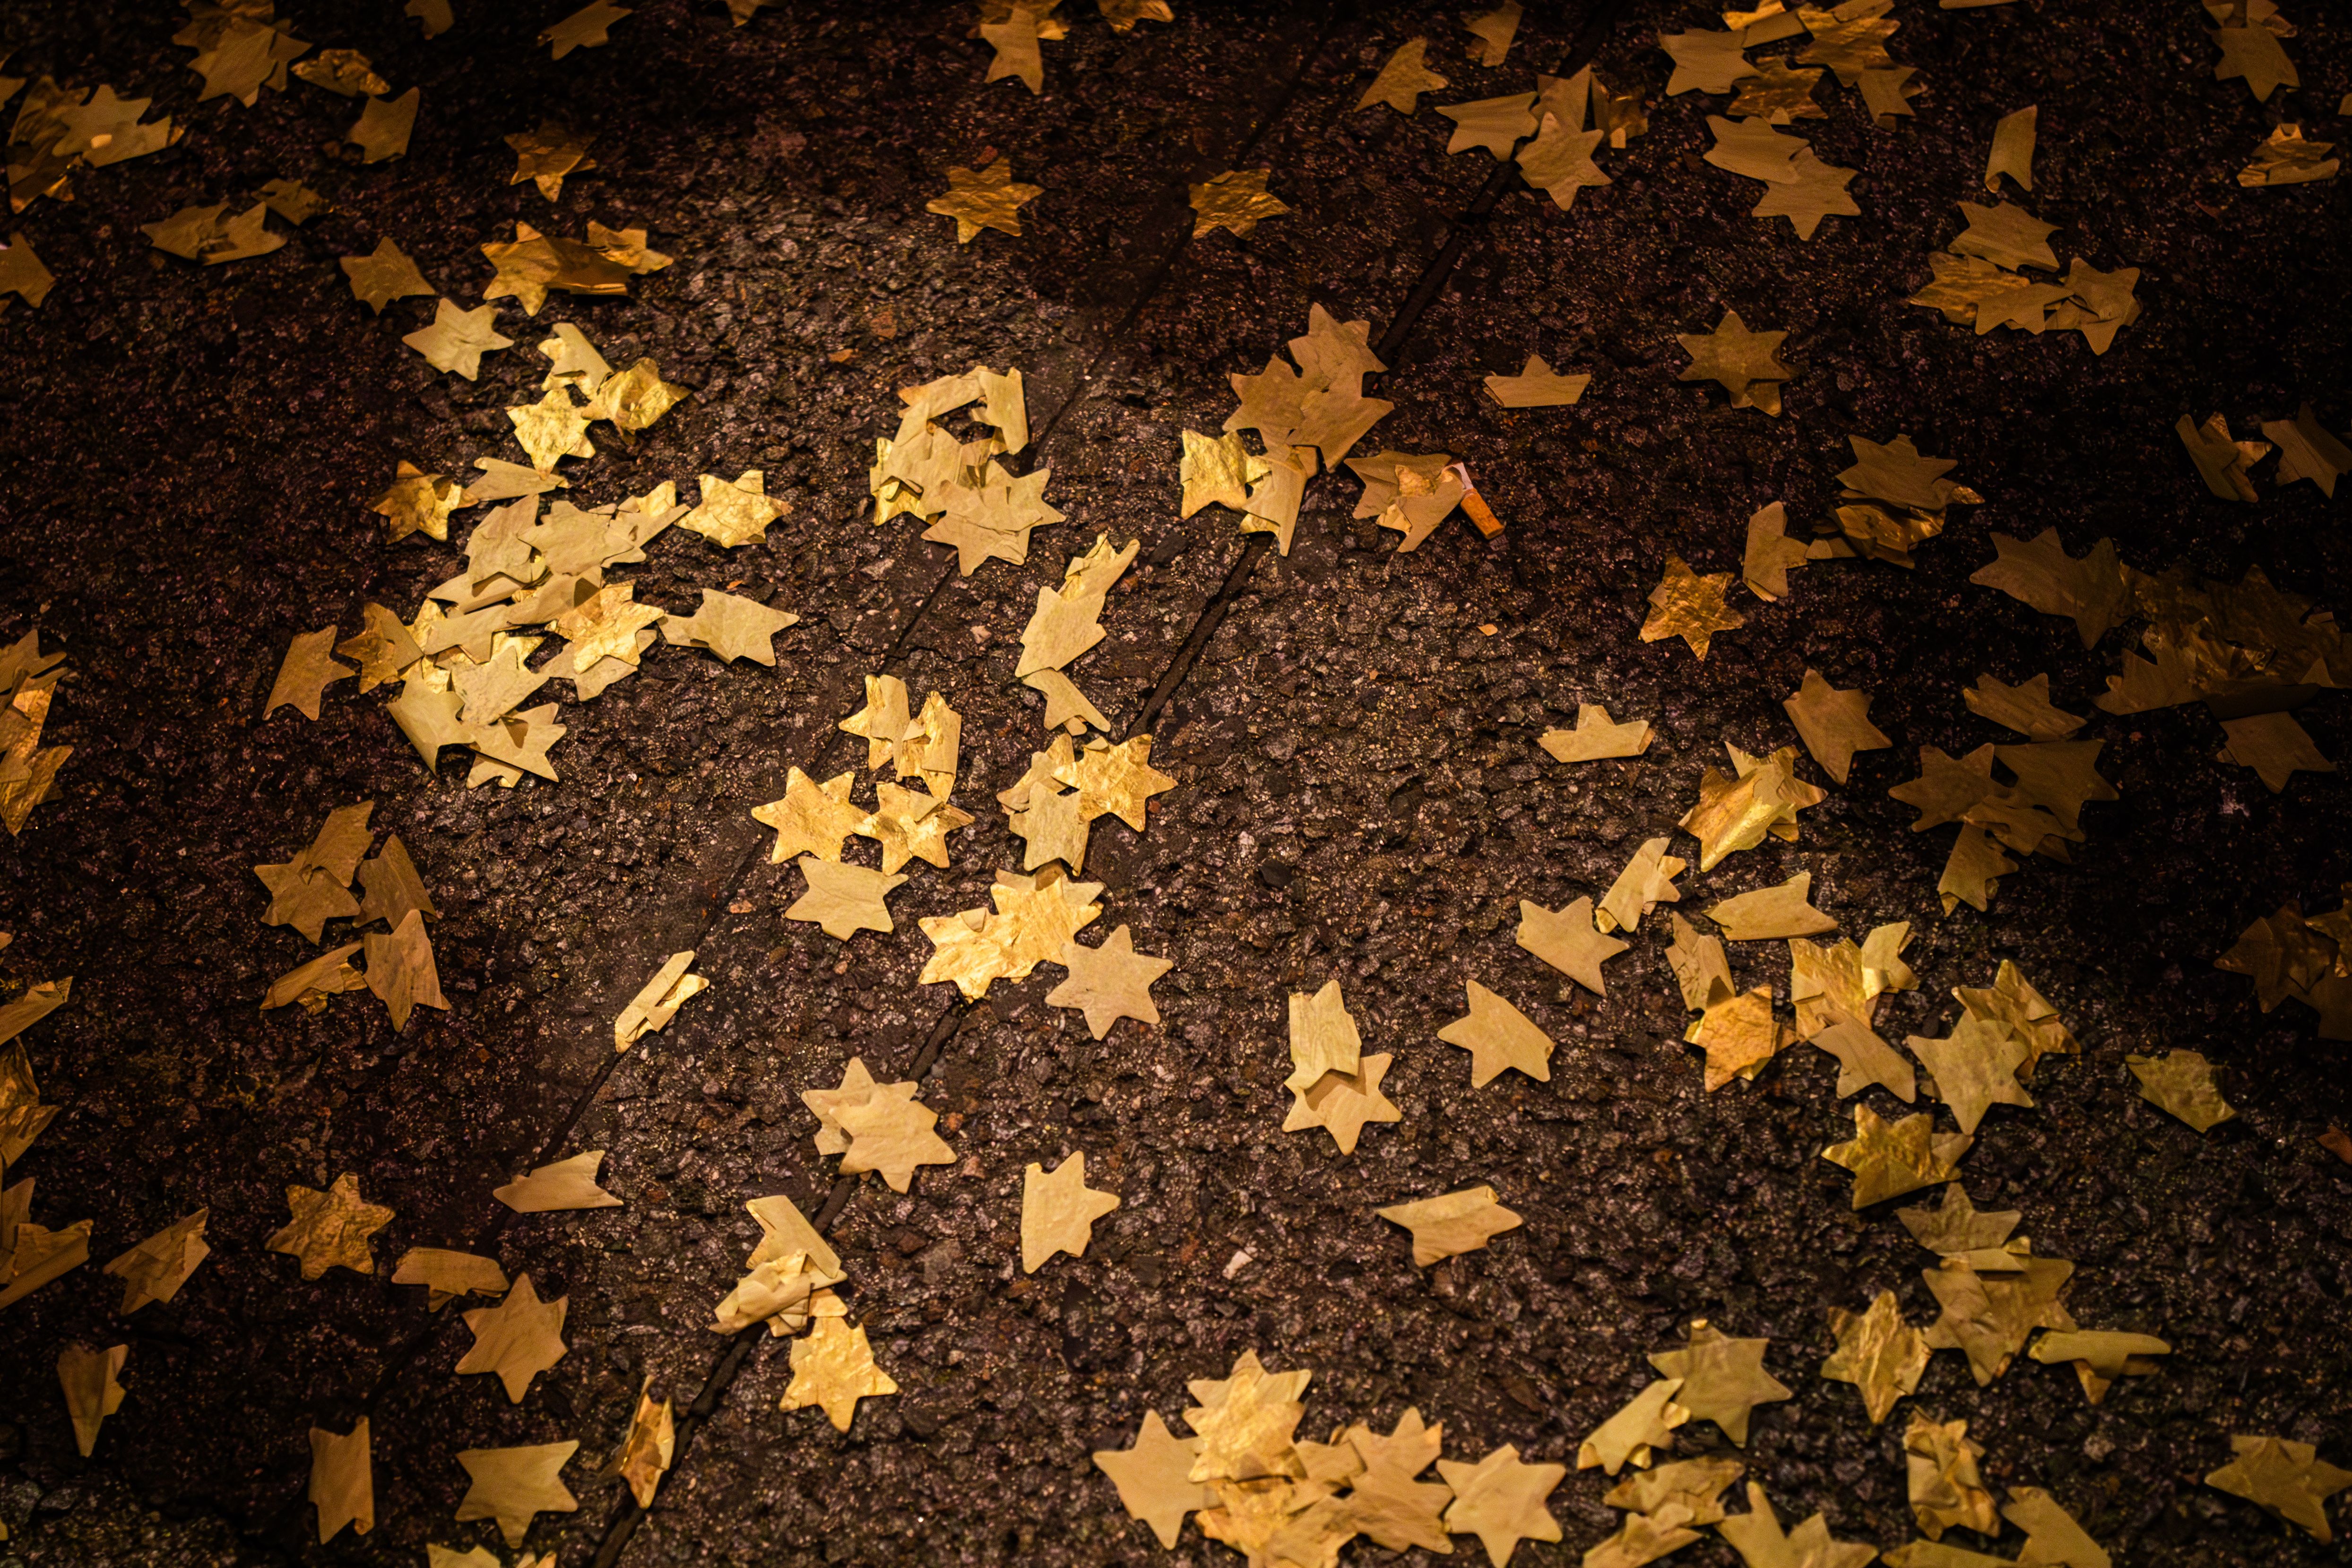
<point x="1499" y="1036"/>
<point x="513" y="1485"/>
<point x="1974" y="1069"/>
<point x="1690" y="606"/>
<point x="985" y="197"/>
<point x="562" y="1186"/>
<point x="457" y="339"/>
<point x="2284" y="158"/>
<point x="832" y="1367"/>
<point x="330" y="1229"/>
<point x="585" y="28"/>
<point x="1537" y="385"/>
<point x="1246" y="1421"/>
<point x="1558" y="162"/>
<point x="1109" y="983"/>
<point x="1569" y="940"/>
<point x="342" y="1479"/>
<point x="1154" y="1477"/>
<point x="1723" y="1379"/>
<point x="1450" y="1226"/>
<point x="2286" y="1478"/>
<point x="1767" y="914"/>
<point x="810" y="818"/>
<point x="1402" y="80"/>
<point x="2182" y="1082"/>
<point x="385" y="275"/>
<point x="1214" y="470"/>
<point x="645" y="1448"/>
<point x="1343" y="1103"/>
<point x="1878" y="1352"/>
<point x="87" y="1378"/>
<point x="1496" y="124"/>
<point x="1117" y="780"/>
<point x="516" y="1340"/>
<point x="1645" y="1423"/>
<point x="1501" y="1501"/>
<point x="1757" y="1536"/>
<point x="2252" y="53"/>
<point x="843" y="900"/>
<point x="733" y="514"/>
<point x="1236" y="199"/>
<point x="1889" y="1159"/>
<point x="1059" y="1211"/>
<point x="1833" y="724"/>
<point x="533" y="263"/>
<point x="22" y="274"/>
<point x="305" y="674"/>
<point x="157" y="1268"/>
<point x="344" y="72"/>
<point x="385" y="126"/>
<point x="546" y="156"/>
<point x="1746" y="364"/>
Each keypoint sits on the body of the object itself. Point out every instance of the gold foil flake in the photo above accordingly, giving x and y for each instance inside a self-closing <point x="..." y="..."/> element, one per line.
<point x="238" y="56"/>
<point x="513" y="1486"/>
<point x="1499" y="1038"/>
<point x="1109" y="983"/>
<point x="1558" y="162"/>
<point x="305" y="674"/>
<point x="157" y="1268"/>
<point x="586" y="28"/>
<point x="1059" y="1211"/>
<point x="21" y="272"/>
<point x="2274" y="746"/>
<point x="2007" y="236"/>
<point x="1720" y="1380"/>
<point x="2101" y="1357"/>
<point x="634" y="399"/>
<point x="1236" y="200"/>
<point x="545" y="157"/>
<point x="342" y="1479"/>
<point x="1768" y="914"/>
<point x="2285" y="158"/>
<point x="985" y="197"/>
<point x="1946" y="1490"/>
<point x="1686" y="1491"/>
<point x="1500" y="1500"/>
<point x="1757" y="1536"/>
<point x="843" y="900"/>
<point x="2012" y="151"/>
<point x="201" y="234"/>
<point x="447" y="1275"/>
<point x="1154" y="1477"/>
<point x="330" y="1229"/>
<point x="2286" y="1478"/>
<point x="1054" y="829"/>
<point x="105" y="130"/>
<point x="1737" y="812"/>
<point x="32" y="1256"/>
<point x="734" y="514"/>
<point x="1813" y="191"/>
<point x="493" y="689"/>
<point x="2013" y="1003"/>
<point x="1494" y="30"/>
<point x="646" y="1450"/>
<point x="344" y="72"/>
<point x="532" y="264"/>
<point x="1597" y="736"/>
<point x="384" y="127"/>
<point x="1647" y="881"/>
<point x="1123" y="15"/>
<point x="552" y="428"/>
<point x="1690" y="606"/>
<point x="1958" y="1226"/>
<point x="1013" y="31"/>
<point x="418" y="503"/>
<point x="657" y="1002"/>
<point x="1570" y="941"/>
<point x="1034" y="920"/>
<point x="2182" y="1083"/>
<point x="1450" y="1226"/>
<point x="560" y="1187"/>
<point x="1066" y="707"/>
<point x="315" y="983"/>
<point x="1246" y="1421"/>
<point x="1881" y="1355"/>
<point x="87" y="1378"/>
<point x="1779" y="93"/>
<point x="400" y="969"/>
<point x="1889" y="1159"/>
<point x="2252" y="53"/>
<point x="2223" y="462"/>
<point x="1402" y="80"/>
<point x="1739" y="1034"/>
<point x="2306" y="451"/>
<point x="457" y="339"/>
<point x="516" y="1340"/>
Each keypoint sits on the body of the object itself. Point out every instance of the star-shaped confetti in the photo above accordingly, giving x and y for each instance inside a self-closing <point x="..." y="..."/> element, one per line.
<point x="513" y="1485"/>
<point x="516" y="1340"/>
<point x="1878" y="1352"/>
<point x="1447" y="1226"/>
<point x="1723" y="1379"/>
<point x="585" y="28"/>
<point x="833" y="1368"/>
<point x="1747" y="364"/>
<point x="1401" y="81"/>
<point x="844" y="899"/>
<point x="1499" y="1036"/>
<point x="333" y="1230"/>
<point x="1059" y="1211"/>
<point x="2182" y="1083"/>
<point x="985" y="197"/>
<point x="1569" y="940"/>
<point x="1109" y="983"/>
<point x="1890" y="1158"/>
<point x="810" y="818"/>
<point x="384" y="275"/>
<point x="342" y="1479"/>
<point x="1500" y="1500"/>
<point x="1537" y="385"/>
<point x="458" y="338"/>
<point x="1154" y="1477"/>
<point x="1688" y="606"/>
<point x="545" y="157"/>
<point x="1236" y="200"/>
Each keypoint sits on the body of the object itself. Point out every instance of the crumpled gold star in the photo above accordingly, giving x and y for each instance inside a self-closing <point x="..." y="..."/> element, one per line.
<point x="810" y="818"/>
<point x="833" y="1368"/>
<point x="1118" y="780"/>
<point x="385" y="275"/>
<point x="1690" y="606"/>
<point x="330" y="1229"/>
<point x="457" y="339"/>
<point x="1890" y="1158"/>
<point x="546" y="156"/>
<point x="552" y="428"/>
<point x="985" y="197"/>
<point x="1236" y="199"/>
<point x="1878" y="1352"/>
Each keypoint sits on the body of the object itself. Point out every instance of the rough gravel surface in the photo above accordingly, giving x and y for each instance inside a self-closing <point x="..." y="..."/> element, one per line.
<point x="185" y="460"/>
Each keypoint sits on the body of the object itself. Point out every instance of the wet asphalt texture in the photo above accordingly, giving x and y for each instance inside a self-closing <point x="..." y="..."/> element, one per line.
<point x="185" y="463"/>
